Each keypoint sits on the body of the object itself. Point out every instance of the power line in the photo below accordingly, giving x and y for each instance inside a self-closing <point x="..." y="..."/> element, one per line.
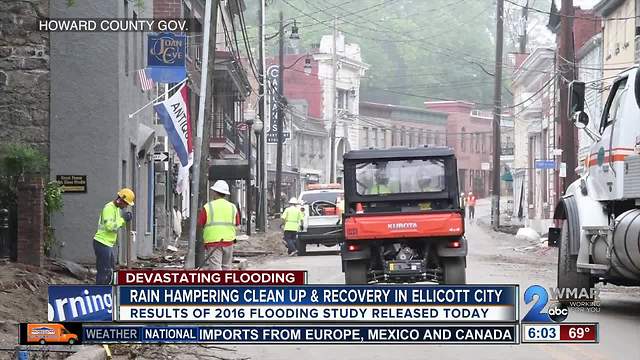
<point x="592" y="18"/>
<point x="444" y="51"/>
<point x="252" y="62"/>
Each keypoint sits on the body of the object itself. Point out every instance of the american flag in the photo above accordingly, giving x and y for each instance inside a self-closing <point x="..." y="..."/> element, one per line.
<point x="145" y="82"/>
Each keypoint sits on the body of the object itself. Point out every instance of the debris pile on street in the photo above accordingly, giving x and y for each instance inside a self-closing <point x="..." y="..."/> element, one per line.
<point x="23" y="296"/>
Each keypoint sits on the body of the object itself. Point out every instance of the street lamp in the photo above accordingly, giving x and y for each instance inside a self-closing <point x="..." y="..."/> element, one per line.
<point x="257" y="129"/>
<point x="295" y="36"/>
<point x="307" y="66"/>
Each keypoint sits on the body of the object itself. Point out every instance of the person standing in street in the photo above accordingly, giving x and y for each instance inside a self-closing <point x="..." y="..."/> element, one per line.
<point x="463" y="201"/>
<point x="471" y="204"/>
<point x="292" y="218"/>
<point x="219" y="219"/>
<point x="111" y="220"/>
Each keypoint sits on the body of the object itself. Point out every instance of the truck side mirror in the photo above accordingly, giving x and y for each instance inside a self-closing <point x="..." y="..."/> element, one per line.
<point x="580" y="119"/>
<point x="576" y="98"/>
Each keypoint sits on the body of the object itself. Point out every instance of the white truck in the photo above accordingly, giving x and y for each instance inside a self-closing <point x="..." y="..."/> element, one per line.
<point x="598" y="218"/>
<point x="322" y="206"/>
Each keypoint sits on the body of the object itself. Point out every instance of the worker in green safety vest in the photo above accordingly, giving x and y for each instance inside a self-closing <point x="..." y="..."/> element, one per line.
<point x="292" y="219"/>
<point x="219" y="219"/>
<point x="380" y="186"/>
<point x="105" y="239"/>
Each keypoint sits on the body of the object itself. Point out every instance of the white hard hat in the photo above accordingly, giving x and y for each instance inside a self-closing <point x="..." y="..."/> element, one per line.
<point x="221" y="187"/>
<point x="461" y="193"/>
<point x="293" y="201"/>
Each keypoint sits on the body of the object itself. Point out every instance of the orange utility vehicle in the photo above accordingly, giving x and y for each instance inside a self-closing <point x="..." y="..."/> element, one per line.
<point x="403" y="221"/>
<point x="50" y="333"/>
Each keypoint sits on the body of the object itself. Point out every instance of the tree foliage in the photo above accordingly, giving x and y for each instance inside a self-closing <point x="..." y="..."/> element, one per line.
<point x="417" y="50"/>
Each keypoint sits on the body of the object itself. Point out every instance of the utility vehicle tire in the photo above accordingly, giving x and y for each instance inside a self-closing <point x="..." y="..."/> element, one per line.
<point x="72" y="341"/>
<point x="355" y="272"/>
<point x="454" y="271"/>
<point x="42" y="341"/>
<point x="568" y="275"/>
<point x="301" y="246"/>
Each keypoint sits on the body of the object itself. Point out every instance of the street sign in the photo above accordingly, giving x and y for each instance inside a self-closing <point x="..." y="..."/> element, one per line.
<point x="73" y="183"/>
<point x="545" y="164"/>
<point x="161" y="156"/>
<point x="563" y="170"/>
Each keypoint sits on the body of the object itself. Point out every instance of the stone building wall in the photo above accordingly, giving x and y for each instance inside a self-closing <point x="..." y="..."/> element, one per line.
<point x="24" y="73"/>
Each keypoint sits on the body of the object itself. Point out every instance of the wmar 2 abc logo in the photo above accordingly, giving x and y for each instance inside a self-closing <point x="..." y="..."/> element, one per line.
<point x="562" y="300"/>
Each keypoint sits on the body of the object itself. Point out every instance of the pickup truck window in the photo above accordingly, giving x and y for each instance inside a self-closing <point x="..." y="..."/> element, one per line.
<point x="329" y="196"/>
<point x="613" y="108"/>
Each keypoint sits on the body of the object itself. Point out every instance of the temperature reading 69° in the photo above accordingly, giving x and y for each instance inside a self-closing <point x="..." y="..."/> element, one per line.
<point x="578" y="332"/>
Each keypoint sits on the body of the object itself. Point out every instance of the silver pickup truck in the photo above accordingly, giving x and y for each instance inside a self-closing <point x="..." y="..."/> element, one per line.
<point x="322" y="217"/>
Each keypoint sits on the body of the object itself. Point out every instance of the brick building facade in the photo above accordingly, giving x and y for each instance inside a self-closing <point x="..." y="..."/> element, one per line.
<point x="24" y="74"/>
<point x="469" y="133"/>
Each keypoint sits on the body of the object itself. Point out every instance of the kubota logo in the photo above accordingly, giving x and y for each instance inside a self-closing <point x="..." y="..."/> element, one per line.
<point x="402" y="226"/>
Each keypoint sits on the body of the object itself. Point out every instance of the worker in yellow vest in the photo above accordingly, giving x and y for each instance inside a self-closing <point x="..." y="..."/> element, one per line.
<point x="111" y="220"/>
<point x="292" y="219"/>
<point x="380" y="185"/>
<point x="219" y="219"/>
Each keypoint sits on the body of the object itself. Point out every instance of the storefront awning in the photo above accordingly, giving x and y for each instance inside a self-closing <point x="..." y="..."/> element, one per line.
<point x="508" y="177"/>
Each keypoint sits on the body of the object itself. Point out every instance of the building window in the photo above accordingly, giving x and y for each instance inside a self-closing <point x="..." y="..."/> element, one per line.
<point x="411" y="137"/>
<point x="383" y="142"/>
<point x="135" y="45"/>
<point x="365" y="134"/>
<point x="126" y="40"/>
<point x="375" y="137"/>
<point x="463" y="146"/>
<point x="343" y="99"/>
<point x="477" y="136"/>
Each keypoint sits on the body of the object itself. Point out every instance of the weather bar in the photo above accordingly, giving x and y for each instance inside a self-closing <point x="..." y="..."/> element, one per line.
<point x="560" y="333"/>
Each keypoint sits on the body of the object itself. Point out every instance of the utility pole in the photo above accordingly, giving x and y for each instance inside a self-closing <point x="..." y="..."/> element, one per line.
<point x="497" y="111"/>
<point x="566" y="76"/>
<point x="334" y="105"/>
<point x="201" y="149"/>
<point x="261" y="179"/>
<point x="523" y="36"/>
<point x="280" y="99"/>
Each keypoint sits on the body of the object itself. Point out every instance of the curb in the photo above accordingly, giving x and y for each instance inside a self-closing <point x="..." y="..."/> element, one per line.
<point x="89" y="353"/>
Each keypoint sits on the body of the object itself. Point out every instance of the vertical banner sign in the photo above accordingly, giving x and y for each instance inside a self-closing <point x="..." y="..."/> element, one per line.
<point x="166" y="53"/>
<point x="174" y="114"/>
<point x="272" y="91"/>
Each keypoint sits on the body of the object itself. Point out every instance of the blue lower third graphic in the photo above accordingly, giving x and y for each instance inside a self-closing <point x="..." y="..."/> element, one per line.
<point x="76" y="303"/>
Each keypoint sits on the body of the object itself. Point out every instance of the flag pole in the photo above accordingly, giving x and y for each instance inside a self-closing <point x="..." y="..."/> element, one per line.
<point x="190" y="259"/>
<point x="157" y="98"/>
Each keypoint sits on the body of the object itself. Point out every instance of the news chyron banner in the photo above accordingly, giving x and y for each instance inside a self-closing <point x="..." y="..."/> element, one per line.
<point x="278" y="307"/>
<point x="316" y="303"/>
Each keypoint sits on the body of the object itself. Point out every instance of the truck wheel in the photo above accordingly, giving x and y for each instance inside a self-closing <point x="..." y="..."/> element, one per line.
<point x="453" y="271"/>
<point x="42" y="342"/>
<point x="301" y="246"/>
<point x="355" y="272"/>
<point x="568" y="275"/>
<point x="72" y="341"/>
